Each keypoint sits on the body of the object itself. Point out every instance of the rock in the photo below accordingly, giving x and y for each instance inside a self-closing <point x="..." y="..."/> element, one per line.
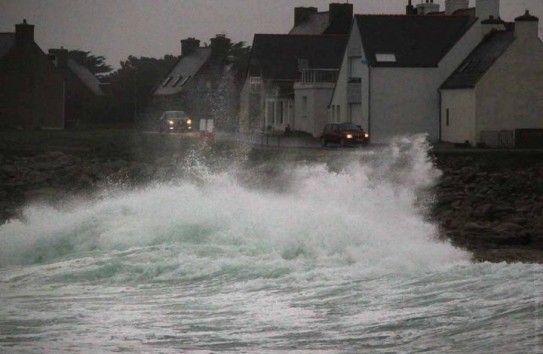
<point x="507" y="227"/>
<point x="47" y="194"/>
<point x="515" y="219"/>
<point x="482" y="211"/>
<point x="474" y="226"/>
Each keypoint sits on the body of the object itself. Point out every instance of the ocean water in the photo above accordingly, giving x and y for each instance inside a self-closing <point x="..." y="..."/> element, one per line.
<point x="272" y="257"/>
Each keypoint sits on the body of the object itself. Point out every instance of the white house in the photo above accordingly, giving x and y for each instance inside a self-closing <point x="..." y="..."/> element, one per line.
<point x="394" y="65"/>
<point x="495" y="96"/>
<point x="291" y="76"/>
<point x="290" y="81"/>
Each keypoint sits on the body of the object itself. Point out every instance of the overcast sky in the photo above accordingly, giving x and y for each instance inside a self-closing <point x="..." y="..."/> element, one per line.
<point x="153" y="28"/>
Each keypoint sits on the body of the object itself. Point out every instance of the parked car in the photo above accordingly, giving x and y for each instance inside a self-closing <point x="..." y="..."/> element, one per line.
<point x="174" y="121"/>
<point x="344" y="134"/>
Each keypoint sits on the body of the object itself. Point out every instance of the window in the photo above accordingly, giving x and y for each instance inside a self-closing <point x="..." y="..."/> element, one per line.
<point x="385" y="57"/>
<point x="271" y="113"/>
<point x="177" y="80"/>
<point x="276" y="112"/>
<point x="255" y="82"/>
<point x="168" y="79"/>
<point x="185" y="80"/>
<point x="447" y="121"/>
<point x="303" y="64"/>
<point x="355" y="69"/>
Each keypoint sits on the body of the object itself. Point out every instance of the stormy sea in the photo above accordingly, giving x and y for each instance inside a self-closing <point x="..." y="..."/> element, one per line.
<point x="336" y="255"/>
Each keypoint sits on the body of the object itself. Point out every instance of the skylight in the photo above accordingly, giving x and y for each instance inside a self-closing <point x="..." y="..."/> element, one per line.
<point x="385" y="57"/>
<point x="177" y="81"/>
<point x="168" y="79"/>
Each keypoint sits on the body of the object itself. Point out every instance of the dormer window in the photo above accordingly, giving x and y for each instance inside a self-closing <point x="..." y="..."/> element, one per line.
<point x="168" y="79"/>
<point x="385" y="57"/>
<point x="179" y="78"/>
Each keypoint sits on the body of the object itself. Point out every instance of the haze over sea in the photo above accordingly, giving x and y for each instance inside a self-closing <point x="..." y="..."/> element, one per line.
<point x="265" y="257"/>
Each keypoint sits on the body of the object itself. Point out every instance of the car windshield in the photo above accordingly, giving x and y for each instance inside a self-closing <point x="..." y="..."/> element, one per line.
<point x="349" y="126"/>
<point x="174" y="114"/>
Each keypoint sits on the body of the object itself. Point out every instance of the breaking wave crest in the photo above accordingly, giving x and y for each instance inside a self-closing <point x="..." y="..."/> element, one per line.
<point x="362" y="213"/>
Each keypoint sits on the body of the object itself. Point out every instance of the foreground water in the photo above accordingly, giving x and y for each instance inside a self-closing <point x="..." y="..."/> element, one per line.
<point x="279" y="257"/>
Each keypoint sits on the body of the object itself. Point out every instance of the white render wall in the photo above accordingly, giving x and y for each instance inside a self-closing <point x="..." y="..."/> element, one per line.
<point x="399" y="101"/>
<point x="406" y="100"/>
<point x="510" y="94"/>
<point x="339" y="98"/>
<point x="318" y="95"/>
<point x="461" y="105"/>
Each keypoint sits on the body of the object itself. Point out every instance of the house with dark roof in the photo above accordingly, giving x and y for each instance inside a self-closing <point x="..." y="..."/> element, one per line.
<point x="289" y="81"/>
<point x="31" y="87"/>
<point x="202" y="83"/>
<point x="495" y="96"/>
<point x="392" y="69"/>
<point x="85" y="99"/>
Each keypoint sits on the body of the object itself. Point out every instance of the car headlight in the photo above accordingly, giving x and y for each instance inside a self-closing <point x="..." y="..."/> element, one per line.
<point x="189" y="121"/>
<point x="171" y="122"/>
<point x="366" y="135"/>
<point x="349" y="136"/>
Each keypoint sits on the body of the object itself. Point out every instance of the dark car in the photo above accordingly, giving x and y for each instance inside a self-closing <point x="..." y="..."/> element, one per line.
<point x="174" y="121"/>
<point x="344" y="134"/>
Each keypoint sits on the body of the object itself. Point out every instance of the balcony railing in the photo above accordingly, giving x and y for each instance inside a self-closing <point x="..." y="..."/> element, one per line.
<point x="310" y="76"/>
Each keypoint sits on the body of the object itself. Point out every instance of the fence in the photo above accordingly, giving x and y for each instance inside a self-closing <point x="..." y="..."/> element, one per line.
<point x="498" y="139"/>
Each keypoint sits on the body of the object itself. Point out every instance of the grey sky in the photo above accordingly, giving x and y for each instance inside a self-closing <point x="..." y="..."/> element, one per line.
<point x="119" y="28"/>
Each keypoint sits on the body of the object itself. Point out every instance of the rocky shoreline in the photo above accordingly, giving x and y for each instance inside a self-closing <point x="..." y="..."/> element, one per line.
<point x="490" y="203"/>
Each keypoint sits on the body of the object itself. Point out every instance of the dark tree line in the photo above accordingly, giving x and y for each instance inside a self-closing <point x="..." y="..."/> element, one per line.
<point x="130" y="87"/>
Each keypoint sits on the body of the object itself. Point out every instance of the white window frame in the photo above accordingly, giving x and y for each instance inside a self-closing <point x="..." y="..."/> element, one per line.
<point x="277" y="112"/>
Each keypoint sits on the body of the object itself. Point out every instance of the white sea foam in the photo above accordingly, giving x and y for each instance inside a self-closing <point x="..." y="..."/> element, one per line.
<point x="364" y="213"/>
<point x="331" y="256"/>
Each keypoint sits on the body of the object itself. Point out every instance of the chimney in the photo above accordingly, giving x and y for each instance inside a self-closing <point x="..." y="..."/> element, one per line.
<point x="220" y="45"/>
<point x="427" y="7"/>
<point x="341" y="17"/>
<point x="492" y="24"/>
<point x="410" y="9"/>
<point x="302" y="13"/>
<point x="188" y="45"/>
<point x="451" y="6"/>
<point x="526" y="27"/>
<point x="60" y="56"/>
<point x="486" y="8"/>
<point x="24" y="32"/>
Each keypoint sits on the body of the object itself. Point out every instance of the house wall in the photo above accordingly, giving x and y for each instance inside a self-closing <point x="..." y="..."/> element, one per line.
<point x="210" y="94"/>
<point x="510" y="94"/>
<point x="340" y="96"/>
<point x="31" y="89"/>
<point x="458" y="112"/>
<point x="311" y="116"/>
<point x="406" y="100"/>
<point x="82" y="105"/>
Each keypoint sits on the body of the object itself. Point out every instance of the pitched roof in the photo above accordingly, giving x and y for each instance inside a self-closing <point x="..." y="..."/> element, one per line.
<point x="7" y="40"/>
<point x="316" y="23"/>
<point x="183" y="71"/>
<point x="86" y="77"/>
<point x="276" y="56"/>
<point x="410" y="41"/>
<point x="480" y="60"/>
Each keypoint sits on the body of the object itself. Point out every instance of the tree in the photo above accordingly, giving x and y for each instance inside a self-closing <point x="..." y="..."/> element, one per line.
<point x="96" y="64"/>
<point x="132" y="84"/>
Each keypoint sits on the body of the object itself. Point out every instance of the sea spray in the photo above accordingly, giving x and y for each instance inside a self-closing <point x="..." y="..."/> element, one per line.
<point x="363" y="213"/>
<point x="332" y="255"/>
